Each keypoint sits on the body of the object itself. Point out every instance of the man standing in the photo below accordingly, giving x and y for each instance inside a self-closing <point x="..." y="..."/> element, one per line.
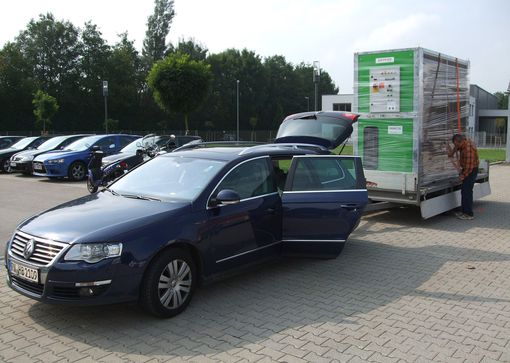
<point x="468" y="161"/>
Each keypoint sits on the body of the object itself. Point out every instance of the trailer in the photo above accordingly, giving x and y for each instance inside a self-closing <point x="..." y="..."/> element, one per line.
<point x="411" y="102"/>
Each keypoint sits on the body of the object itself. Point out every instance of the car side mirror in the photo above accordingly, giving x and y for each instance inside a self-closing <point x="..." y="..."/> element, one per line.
<point x="226" y="197"/>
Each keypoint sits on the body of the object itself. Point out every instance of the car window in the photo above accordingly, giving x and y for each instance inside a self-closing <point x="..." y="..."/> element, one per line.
<point x="125" y="140"/>
<point x="324" y="174"/>
<point x="105" y="143"/>
<point x="249" y="179"/>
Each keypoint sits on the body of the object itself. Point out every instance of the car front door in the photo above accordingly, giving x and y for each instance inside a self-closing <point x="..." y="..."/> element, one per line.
<point x="323" y="200"/>
<point x="249" y="230"/>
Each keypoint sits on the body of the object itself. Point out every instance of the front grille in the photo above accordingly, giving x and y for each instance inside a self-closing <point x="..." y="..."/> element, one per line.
<point x="41" y="170"/>
<point x="44" y="251"/>
<point x="28" y="286"/>
<point x="73" y="293"/>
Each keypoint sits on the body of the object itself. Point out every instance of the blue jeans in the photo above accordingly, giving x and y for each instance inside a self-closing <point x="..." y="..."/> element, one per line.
<point x="467" y="193"/>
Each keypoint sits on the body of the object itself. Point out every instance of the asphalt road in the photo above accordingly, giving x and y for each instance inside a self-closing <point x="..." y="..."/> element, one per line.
<point x="23" y="196"/>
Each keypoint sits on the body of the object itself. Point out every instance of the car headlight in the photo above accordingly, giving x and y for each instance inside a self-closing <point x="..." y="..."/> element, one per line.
<point x="93" y="252"/>
<point x="26" y="158"/>
<point x="56" y="161"/>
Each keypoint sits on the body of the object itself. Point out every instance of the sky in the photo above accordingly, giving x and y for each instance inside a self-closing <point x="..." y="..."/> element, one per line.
<point x="328" y="31"/>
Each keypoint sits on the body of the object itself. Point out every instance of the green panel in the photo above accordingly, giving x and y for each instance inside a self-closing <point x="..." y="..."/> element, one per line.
<point x="395" y="151"/>
<point x="403" y="59"/>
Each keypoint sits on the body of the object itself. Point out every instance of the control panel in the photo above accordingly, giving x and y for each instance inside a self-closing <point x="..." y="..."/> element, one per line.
<point x="385" y="89"/>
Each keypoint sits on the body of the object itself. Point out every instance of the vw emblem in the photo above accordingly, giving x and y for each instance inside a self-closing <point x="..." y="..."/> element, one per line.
<point x="29" y="248"/>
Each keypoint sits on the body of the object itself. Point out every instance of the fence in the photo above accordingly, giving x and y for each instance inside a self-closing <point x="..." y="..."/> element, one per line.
<point x="488" y="140"/>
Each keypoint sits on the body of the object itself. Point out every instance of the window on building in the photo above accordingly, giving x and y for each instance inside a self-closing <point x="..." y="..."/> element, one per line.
<point x="342" y="107"/>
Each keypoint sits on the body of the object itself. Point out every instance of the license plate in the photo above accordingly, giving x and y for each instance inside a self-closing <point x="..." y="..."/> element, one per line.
<point x="37" y="167"/>
<point x="25" y="273"/>
<point x="13" y="163"/>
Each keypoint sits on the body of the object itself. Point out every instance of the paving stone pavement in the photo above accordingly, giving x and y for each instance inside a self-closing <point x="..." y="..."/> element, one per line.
<point x="403" y="290"/>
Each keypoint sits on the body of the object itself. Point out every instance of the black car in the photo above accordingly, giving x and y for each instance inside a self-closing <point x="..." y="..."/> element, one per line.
<point x="7" y="141"/>
<point x="192" y="215"/>
<point x="24" y="144"/>
<point x="22" y="161"/>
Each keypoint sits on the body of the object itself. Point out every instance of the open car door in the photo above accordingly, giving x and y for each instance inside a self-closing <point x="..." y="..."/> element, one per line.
<point x="323" y="200"/>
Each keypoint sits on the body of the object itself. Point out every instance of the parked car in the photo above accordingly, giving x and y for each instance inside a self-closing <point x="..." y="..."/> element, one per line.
<point x="130" y="155"/>
<point x="73" y="160"/>
<point x="27" y="143"/>
<point x="7" y="141"/>
<point x="189" y="216"/>
<point x="22" y="161"/>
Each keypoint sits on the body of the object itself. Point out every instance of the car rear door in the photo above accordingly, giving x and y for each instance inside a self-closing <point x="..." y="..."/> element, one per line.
<point x="323" y="200"/>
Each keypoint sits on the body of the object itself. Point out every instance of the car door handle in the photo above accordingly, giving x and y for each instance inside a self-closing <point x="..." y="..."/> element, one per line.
<point x="349" y="206"/>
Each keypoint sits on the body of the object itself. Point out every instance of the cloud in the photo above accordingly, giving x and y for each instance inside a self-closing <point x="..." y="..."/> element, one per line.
<point x="401" y="33"/>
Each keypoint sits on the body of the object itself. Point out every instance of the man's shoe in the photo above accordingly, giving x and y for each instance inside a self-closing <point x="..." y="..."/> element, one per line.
<point x="465" y="217"/>
<point x="458" y="214"/>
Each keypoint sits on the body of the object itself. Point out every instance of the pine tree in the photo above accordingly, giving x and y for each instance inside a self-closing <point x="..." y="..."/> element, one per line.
<point x="158" y="27"/>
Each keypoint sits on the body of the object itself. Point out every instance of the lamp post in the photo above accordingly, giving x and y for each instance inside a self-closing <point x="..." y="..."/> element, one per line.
<point x="105" y="94"/>
<point x="237" y="110"/>
<point x="316" y="80"/>
<point x="307" y="103"/>
<point x="507" y="159"/>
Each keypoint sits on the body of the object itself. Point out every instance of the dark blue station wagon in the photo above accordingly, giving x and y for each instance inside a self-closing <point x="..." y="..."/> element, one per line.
<point x="192" y="215"/>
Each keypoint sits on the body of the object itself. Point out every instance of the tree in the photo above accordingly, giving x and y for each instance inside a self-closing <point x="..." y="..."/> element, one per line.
<point x="53" y="49"/>
<point x="158" y="27"/>
<point x="16" y="89"/>
<point x="180" y="84"/>
<point x="195" y="50"/>
<point x="45" y="107"/>
<point x="502" y="100"/>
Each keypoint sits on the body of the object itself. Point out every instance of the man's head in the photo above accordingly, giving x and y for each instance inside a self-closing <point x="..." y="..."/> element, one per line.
<point x="457" y="139"/>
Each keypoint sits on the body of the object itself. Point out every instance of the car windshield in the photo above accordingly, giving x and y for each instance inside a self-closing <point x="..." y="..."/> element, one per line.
<point x="132" y="146"/>
<point x="84" y="144"/>
<point x="168" y="178"/>
<point x="51" y="143"/>
<point x="23" y="143"/>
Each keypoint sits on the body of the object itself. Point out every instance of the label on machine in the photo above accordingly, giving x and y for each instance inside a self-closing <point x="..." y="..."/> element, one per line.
<point x="385" y="89"/>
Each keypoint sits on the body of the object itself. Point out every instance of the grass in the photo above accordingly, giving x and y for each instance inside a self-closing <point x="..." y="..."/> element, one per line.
<point x="492" y="154"/>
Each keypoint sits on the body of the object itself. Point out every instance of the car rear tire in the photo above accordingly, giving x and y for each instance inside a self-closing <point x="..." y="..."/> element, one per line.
<point x="77" y="171"/>
<point x="169" y="283"/>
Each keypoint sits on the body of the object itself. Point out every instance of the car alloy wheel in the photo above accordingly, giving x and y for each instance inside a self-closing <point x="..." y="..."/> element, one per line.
<point x="77" y="171"/>
<point x="174" y="284"/>
<point x="169" y="283"/>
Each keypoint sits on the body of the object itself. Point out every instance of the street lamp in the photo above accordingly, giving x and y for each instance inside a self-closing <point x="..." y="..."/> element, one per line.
<point x="105" y="94"/>
<point x="316" y="80"/>
<point x="507" y="159"/>
<point x="307" y="103"/>
<point x="237" y="110"/>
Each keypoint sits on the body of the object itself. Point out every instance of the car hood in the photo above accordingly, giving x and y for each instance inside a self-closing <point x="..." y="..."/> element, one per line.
<point x="98" y="218"/>
<point x="325" y="128"/>
<point x="9" y="151"/>
<point x="57" y="154"/>
<point x="32" y="152"/>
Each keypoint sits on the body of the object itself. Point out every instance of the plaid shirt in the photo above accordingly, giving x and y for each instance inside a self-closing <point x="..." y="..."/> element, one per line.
<point x="468" y="158"/>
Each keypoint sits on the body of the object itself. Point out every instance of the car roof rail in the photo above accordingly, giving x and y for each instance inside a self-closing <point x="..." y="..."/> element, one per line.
<point x="203" y="144"/>
<point x="293" y="146"/>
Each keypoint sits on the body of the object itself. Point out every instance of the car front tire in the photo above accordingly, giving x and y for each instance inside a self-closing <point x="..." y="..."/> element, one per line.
<point x="5" y="166"/>
<point x="77" y="171"/>
<point x="169" y="283"/>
